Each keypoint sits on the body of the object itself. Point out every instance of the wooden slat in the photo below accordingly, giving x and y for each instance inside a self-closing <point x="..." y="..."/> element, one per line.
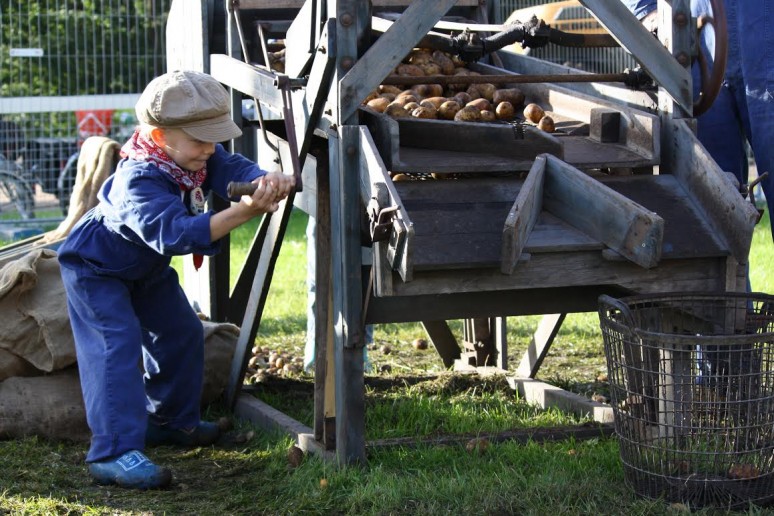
<point x="620" y="223"/>
<point x="523" y="216"/>
<point x="296" y="4"/>
<point x="536" y="351"/>
<point x="732" y="217"/>
<point x="443" y="340"/>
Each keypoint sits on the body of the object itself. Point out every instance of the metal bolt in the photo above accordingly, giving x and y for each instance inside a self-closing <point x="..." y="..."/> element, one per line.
<point x="345" y="19"/>
<point x="681" y="20"/>
<point x="683" y="59"/>
<point x="350" y="150"/>
<point x="347" y="62"/>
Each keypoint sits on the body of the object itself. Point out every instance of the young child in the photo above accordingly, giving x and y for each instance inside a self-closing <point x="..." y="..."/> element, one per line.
<point x="125" y="302"/>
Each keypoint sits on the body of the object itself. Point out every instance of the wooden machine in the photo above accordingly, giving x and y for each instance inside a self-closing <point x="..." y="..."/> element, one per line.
<point x="497" y="219"/>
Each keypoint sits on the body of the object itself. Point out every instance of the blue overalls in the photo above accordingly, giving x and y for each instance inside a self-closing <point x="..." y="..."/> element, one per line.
<point x="126" y="305"/>
<point x="744" y="109"/>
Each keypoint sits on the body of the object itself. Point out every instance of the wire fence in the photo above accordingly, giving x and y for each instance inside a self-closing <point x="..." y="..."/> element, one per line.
<point x="70" y="69"/>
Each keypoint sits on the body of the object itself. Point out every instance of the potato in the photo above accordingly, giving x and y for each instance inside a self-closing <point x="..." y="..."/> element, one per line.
<point x="405" y="99"/>
<point x="462" y="98"/>
<point x="512" y="95"/>
<point x="533" y="113"/>
<point x="371" y="96"/>
<point x="424" y="112"/>
<point x="396" y="110"/>
<point x="505" y="111"/>
<point x="411" y="106"/>
<point x="421" y="91"/>
<point x="400" y="177"/>
<point x="410" y="70"/>
<point x="481" y="104"/>
<point x="431" y="68"/>
<point x="435" y="102"/>
<point x="448" y="109"/>
<point x="474" y="92"/>
<point x="378" y="104"/>
<point x="487" y="90"/>
<point x="388" y="96"/>
<point x="546" y="124"/>
<point x="459" y="86"/>
<point x="419" y="56"/>
<point x="446" y="64"/>
<point x="388" y="88"/>
<point x="488" y="116"/>
<point x="434" y="90"/>
<point x="468" y="114"/>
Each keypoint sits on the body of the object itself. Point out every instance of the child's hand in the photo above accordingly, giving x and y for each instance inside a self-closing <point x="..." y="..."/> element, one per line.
<point x="263" y="200"/>
<point x="281" y="184"/>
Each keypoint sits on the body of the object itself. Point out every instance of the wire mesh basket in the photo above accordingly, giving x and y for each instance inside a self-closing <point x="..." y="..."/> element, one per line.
<point x="692" y="391"/>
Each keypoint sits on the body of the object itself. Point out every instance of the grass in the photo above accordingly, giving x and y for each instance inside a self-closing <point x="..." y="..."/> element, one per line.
<point x="417" y="399"/>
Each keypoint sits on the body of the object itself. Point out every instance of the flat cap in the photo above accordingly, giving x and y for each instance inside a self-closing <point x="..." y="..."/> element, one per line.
<point x="192" y="101"/>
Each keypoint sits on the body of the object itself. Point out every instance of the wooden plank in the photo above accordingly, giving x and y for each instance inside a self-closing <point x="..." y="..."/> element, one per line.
<point x="648" y="51"/>
<point x="523" y="216"/>
<point x="187" y="37"/>
<point x="732" y="217"/>
<point x="346" y="260"/>
<point x="385" y="53"/>
<point x="541" y="341"/>
<point x="546" y="395"/>
<point x="303" y="33"/>
<point x="373" y="172"/>
<point x="277" y="224"/>
<point x="252" y="81"/>
<point x="443" y="340"/>
<point x="549" y="270"/>
<point x="622" y="224"/>
<point x="664" y="195"/>
<point x="296" y="4"/>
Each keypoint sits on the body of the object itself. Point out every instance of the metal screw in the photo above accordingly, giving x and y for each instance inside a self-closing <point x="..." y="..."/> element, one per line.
<point x="350" y="151"/>
<point x="346" y="19"/>
<point x="681" y="20"/>
<point x="683" y="59"/>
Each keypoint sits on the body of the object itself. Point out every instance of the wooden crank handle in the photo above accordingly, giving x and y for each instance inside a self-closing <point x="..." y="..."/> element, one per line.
<point x="238" y="189"/>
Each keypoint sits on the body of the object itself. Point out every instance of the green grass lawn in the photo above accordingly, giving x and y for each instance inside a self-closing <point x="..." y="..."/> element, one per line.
<point x="253" y="476"/>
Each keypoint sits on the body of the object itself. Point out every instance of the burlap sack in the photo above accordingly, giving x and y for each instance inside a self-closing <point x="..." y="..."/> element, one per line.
<point x="51" y="406"/>
<point x="11" y="365"/>
<point x="48" y="406"/>
<point x="34" y="324"/>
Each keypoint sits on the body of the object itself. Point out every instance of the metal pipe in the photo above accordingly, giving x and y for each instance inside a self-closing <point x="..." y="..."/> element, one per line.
<point x="445" y="80"/>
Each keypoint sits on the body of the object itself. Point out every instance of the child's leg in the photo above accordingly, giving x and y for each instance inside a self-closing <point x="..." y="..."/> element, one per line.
<point x="107" y="340"/>
<point x="173" y="351"/>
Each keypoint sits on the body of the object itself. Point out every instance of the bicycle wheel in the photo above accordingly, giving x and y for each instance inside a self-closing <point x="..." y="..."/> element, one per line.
<point x="16" y="194"/>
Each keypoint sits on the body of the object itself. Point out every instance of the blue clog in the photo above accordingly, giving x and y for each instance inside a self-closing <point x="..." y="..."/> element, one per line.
<point x="132" y="470"/>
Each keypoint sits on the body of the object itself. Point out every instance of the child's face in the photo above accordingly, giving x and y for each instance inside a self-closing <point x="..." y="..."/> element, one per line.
<point x="188" y="152"/>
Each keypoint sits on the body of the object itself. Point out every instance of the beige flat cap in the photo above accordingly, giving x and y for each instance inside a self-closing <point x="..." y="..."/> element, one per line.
<point x="192" y="101"/>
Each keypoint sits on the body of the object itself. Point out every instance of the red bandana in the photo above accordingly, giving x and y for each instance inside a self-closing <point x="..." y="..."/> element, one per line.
<point x="141" y="148"/>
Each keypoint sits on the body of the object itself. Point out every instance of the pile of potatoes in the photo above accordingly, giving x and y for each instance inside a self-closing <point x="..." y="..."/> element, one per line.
<point x="266" y="362"/>
<point x="460" y="102"/>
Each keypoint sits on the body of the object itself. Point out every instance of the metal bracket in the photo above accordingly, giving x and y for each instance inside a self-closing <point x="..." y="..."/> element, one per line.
<point x="380" y="220"/>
